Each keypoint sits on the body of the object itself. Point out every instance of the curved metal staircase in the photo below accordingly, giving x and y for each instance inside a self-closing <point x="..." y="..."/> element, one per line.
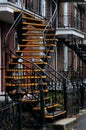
<point x="29" y="77"/>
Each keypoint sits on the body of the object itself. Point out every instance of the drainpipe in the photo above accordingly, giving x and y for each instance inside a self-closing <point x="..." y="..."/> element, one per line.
<point x="0" y="61"/>
<point x="43" y="7"/>
<point x="65" y="57"/>
<point x="75" y="63"/>
<point x="65" y="47"/>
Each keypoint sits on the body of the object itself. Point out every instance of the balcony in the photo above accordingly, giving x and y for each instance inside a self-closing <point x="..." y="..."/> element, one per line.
<point x="7" y="8"/>
<point x="70" y="25"/>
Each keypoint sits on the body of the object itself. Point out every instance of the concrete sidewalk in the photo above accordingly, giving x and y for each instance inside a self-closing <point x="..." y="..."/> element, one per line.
<point x="77" y="122"/>
<point x="81" y="121"/>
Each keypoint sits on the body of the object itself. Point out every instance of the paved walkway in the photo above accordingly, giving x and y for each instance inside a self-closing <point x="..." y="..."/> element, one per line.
<point x="81" y="122"/>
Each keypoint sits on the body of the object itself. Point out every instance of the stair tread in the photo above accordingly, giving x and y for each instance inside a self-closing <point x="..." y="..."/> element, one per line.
<point x="14" y="92"/>
<point x="36" y="45"/>
<point x="28" y="100"/>
<point x="32" y="100"/>
<point x="24" y="70"/>
<point x="47" y="106"/>
<point x="37" y="34"/>
<point x="33" y="56"/>
<point x="26" y="76"/>
<point x="33" y="19"/>
<point x="54" y="114"/>
<point x="52" y="105"/>
<point x="18" y="51"/>
<point x="24" y="84"/>
<point x="36" y="29"/>
<point x="27" y="63"/>
<point x="34" y="24"/>
<point x="38" y="91"/>
<point x="37" y="40"/>
<point x="25" y="13"/>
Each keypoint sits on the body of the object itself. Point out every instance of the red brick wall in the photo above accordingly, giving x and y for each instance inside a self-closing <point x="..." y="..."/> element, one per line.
<point x="60" y="57"/>
<point x="4" y="29"/>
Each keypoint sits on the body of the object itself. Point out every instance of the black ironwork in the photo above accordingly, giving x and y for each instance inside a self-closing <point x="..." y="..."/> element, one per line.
<point x="73" y="22"/>
<point x="19" y="84"/>
<point x="8" y="117"/>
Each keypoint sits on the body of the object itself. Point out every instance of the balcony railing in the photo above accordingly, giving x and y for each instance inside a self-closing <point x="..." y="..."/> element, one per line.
<point x="70" y="21"/>
<point x="36" y="7"/>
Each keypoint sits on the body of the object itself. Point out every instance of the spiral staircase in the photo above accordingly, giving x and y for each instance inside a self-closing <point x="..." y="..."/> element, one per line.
<point x="29" y="77"/>
<point x="78" y="48"/>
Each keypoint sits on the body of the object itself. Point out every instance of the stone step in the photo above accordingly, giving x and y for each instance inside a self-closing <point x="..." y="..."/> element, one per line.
<point x="63" y="124"/>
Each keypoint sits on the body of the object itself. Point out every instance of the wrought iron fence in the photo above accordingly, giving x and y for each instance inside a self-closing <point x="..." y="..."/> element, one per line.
<point x="82" y="94"/>
<point x="7" y="116"/>
<point x="12" y="117"/>
<point x="72" y="99"/>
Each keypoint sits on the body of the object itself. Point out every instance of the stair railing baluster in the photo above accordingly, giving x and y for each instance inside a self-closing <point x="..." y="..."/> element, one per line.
<point x="42" y="104"/>
<point x="49" y="25"/>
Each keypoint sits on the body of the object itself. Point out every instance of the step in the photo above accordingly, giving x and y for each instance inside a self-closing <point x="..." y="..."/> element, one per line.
<point x="25" y="13"/>
<point x="24" y="70"/>
<point x="33" y="56"/>
<point x="37" y="34"/>
<point x="48" y="106"/>
<point x="25" y="77"/>
<point x="28" y="100"/>
<point x="14" y="92"/>
<point x="28" y="63"/>
<point x="37" y="40"/>
<point x="38" y="51"/>
<point x="63" y="124"/>
<point x="38" y="91"/>
<point x="36" y="29"/>
<point x="32" y="100"/>
<point x="33" y="19"/>
<point x="24" y="84"/>
<point x="34" y="24"/>
<point x="54" y="114"/>
<point x="36" y="45"/>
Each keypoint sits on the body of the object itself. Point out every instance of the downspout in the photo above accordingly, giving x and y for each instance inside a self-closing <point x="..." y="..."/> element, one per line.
<point x="65" y="47"/>
<point x="43" y="12"/>
<point x="0" y="60"/>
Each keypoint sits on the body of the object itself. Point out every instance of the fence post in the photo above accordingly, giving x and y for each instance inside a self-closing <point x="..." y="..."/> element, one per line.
<point x="65" y="95"/>
<point x="19" y="110"/>
<point x="43" y="126"/>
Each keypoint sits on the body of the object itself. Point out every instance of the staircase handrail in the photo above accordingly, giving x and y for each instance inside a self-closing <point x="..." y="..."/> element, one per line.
<point x="12" y="28"/>
<point x="58" y="73"/>
<point x="37" y="66"/>
<point x="51" y="19"/>
<point x="31" y="62"/>
<point x="15" y="23"/>
<point x="48" y="25"/>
